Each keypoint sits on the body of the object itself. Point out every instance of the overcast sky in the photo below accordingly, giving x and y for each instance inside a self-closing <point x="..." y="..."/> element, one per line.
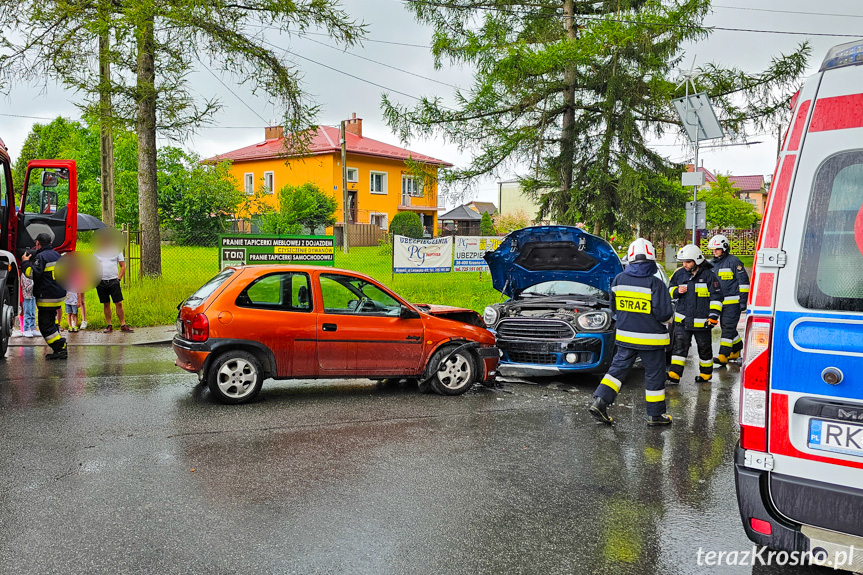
<point x="244" y="115"/>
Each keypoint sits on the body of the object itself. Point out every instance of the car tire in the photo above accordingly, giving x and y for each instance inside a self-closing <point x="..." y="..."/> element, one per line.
<point x="456" y="376"/>
<point x="236" y="377"/>
<point x="5" y="325"/>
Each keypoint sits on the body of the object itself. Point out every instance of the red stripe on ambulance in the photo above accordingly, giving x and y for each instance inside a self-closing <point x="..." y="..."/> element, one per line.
<point x="838" y="113"/>
<point x="764" y="289"/>
<point x="776" y="204"/>
<point x="799" y="124"/>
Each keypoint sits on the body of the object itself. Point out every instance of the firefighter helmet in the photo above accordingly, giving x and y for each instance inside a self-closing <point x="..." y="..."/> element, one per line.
<point x="640" y="250"/>
<point x="719" y="242"/>
<point x="690" y="252"/>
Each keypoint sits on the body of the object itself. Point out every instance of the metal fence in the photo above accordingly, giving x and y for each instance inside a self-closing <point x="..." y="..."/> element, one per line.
<point x="743" y="242"/>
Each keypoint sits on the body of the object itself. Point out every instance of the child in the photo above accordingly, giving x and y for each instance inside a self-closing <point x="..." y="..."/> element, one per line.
<point x="83" y="309"/>
<point x="72" y="311"/>
<point x="29" y="306"/>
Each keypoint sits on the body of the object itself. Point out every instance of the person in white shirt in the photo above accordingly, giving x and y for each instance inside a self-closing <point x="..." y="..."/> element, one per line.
<point x="113" y="270"/>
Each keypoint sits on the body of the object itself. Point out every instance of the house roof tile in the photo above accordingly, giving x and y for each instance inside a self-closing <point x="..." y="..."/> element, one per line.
<point x="325" y="141"/>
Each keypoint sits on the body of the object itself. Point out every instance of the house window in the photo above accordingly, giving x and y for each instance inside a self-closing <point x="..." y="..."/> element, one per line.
<point x="378" y="182"/>
<point x="353" y="175"/>
<point x="249" y="183"/>
<point x="268" y="182"/>
<point x="379" y="220"/>
<point x="411" y="187"/>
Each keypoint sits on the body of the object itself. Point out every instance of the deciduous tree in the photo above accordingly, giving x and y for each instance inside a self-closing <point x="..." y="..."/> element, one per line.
<point x="724" y="209"/>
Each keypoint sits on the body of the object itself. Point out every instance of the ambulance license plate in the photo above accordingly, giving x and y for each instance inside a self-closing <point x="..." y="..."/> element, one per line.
<point x="836" y="437"/>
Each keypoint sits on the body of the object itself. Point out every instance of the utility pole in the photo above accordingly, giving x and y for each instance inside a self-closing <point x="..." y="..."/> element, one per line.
<point x="343" y="141"/>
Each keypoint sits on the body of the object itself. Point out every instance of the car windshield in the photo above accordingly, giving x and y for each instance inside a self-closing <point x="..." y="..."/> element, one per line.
<point x="208" y="288"/>
<point x="564" y="288"/>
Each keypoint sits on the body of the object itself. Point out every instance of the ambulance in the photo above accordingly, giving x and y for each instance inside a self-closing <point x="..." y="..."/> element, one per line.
<point x="799" y="464"/>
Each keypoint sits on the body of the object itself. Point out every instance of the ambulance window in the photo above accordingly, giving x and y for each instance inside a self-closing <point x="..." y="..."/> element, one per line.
<point x="831" y="272"/>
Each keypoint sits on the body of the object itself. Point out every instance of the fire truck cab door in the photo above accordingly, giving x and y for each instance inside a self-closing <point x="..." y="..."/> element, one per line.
<point x="49" y="204"/>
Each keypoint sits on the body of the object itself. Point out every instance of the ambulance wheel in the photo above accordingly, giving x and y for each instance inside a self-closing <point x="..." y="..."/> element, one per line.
<point x="236" y="377"/>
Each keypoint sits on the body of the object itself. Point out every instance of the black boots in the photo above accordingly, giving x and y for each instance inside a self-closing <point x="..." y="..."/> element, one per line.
<point x="599" y="410"/>
<point x="62" y="354"/>
<point x="653" y="420"/>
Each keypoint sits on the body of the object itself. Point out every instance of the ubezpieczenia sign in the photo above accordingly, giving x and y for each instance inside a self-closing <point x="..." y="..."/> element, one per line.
<point x="251" y="249"/>
<point x="412" y="256"/>
<point x="469" y="252"/>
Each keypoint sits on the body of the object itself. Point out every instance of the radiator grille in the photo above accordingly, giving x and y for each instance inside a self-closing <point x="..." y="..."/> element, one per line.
<point x="536" y="329"/>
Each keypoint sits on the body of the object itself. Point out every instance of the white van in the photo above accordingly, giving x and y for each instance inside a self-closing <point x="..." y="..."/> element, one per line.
<point x="799" y="465"/>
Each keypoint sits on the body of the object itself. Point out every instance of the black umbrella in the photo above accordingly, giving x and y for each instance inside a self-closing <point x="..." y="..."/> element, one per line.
<point x="87" y="223"/>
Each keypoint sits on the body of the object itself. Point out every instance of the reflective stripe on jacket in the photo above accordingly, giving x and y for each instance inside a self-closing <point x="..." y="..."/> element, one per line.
<point x="40" y="268"/>
<point x="641" y="306"/>
<point x="702" y="300"/>
<point x="733" y="279"/>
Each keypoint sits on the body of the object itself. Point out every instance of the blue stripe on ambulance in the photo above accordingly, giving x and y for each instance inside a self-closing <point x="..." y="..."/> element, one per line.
<point x="803" y="349"/>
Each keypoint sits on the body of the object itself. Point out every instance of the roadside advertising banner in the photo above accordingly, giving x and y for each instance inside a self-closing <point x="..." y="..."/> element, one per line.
<point x="469" y="251"/>
<point x="412" y="256"/>
<point x="248" y="249"/>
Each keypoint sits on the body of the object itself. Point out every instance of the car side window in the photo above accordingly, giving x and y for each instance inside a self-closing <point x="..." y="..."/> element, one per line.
<point x="348" y="295"/>
<point x="829" y="276"/>
<point x="287" y="291"/>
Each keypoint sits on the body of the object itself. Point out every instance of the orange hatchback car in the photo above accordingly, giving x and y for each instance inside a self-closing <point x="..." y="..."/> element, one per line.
<point x="251" y="323"/>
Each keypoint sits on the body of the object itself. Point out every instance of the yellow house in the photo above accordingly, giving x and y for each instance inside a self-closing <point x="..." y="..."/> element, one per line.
<point x="379" y="181"/>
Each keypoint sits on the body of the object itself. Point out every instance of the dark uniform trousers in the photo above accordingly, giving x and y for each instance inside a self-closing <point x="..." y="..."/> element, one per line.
<point x="653" y="361"/>
<point x="730" y="344"/>
<point x="46" y="318"/>
<point x="680" y="349"/>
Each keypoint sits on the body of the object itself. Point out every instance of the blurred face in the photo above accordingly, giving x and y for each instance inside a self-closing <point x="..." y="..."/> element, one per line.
<point x="689" y="265"/>
<point x="107" y="241"/>
<point x="718" y="252"/>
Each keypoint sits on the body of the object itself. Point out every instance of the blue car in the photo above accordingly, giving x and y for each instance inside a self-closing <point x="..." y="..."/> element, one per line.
<point x="557" y="319"/>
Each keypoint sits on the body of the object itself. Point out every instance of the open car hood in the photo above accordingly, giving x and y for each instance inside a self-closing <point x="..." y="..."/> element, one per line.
<point x="539" y="254"/>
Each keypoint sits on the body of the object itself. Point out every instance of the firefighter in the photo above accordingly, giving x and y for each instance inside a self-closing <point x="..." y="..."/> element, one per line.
<point x="48" y="293"/>
<point x="642" y="308"/>
<point x="699" y="305"/>
<point x="734" y="282"/>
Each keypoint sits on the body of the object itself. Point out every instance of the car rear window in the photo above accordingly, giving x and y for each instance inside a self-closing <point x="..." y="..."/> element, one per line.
<point x="208" y="288"/>
<point x="830" y="275"/>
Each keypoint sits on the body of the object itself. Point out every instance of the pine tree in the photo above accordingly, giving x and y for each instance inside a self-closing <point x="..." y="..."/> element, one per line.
<point x="567" y="92"/>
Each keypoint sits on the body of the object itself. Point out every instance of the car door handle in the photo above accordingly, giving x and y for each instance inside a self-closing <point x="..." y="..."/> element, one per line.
<point x="329" y="327"/>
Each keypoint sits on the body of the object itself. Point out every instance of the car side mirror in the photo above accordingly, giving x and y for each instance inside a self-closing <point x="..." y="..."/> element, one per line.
<point x="408" y="313"/>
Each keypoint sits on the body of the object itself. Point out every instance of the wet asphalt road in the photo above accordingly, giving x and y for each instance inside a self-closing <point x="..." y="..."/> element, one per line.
<point x="116" y="462"/>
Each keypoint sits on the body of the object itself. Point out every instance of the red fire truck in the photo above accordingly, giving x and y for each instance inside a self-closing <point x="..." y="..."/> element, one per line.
<point x="47" y="202"/>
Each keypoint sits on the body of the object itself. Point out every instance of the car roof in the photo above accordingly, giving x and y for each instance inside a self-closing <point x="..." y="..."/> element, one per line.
<point x="268" y="268"/>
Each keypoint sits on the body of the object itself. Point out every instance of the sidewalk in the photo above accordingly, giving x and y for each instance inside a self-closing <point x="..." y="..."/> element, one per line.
<point x="159" y="334"/>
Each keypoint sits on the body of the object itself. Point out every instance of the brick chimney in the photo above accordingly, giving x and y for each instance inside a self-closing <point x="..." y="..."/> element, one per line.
<point x="354" y="125"/>
<point x="274" y="132"/>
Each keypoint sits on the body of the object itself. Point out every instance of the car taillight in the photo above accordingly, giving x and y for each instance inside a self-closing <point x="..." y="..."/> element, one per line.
<point x="199" y="329"/>
<point x="754" y="383"/>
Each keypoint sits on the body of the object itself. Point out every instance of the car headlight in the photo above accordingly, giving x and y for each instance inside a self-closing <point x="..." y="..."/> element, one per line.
<point x="489" y="316"/>
<point x="595" y="320"/>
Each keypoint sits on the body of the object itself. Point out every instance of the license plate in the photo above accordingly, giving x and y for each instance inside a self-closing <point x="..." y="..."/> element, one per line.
<point x="836" y="437"/>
